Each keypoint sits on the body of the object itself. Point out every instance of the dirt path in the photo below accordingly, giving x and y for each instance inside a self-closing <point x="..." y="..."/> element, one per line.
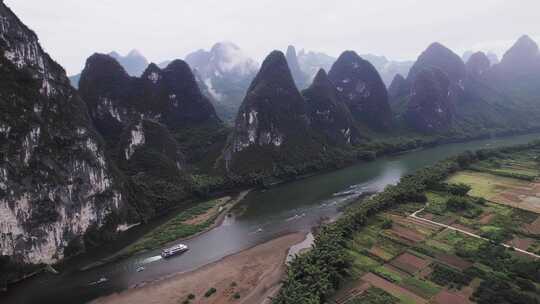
<point x="414" y="215"/>
<point x="254" y="274"/>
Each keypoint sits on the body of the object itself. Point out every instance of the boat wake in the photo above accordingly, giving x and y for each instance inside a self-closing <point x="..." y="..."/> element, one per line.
<point x="295" y="217"/>
<point x="151" y="259"/>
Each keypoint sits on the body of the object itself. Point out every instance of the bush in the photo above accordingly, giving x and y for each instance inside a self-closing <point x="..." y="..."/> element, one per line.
<point x="443" y="276"/>
<point x="458" y="203"/>
<point x="236" y="295"/>
<point x="494" y="290"/>
<point x="191" y="296"/>
<point x="210" y="292"/>
<point x="525" y="284"/>
<point x="387" y="224"/>
<point x="459" y="189"/>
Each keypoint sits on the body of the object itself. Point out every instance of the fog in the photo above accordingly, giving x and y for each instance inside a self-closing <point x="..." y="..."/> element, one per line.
<point x="162" y="29"/>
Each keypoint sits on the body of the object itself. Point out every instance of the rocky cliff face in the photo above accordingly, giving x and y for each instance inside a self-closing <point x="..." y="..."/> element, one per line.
<point x="467" y="98"/>
<point x="55" y="182"/>
<point x="273" y="118"/>
<point x="300" y="78"/>
<point x="362" y="89"/>
<point x="329" y="114"/>
<point x="518" y="73"/>
<point x="438" y="80"/>
<point x="430" y="109"/>
<point x="399" y="88"/>
<point x="142" y="119"/>
<point x="169" y="96"/>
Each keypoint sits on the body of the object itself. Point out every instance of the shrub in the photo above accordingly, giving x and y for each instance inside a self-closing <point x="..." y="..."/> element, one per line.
<point x="459" y="189"/>
<point x="191" y="296"/>
<point x="443" y="276"/>
<point x="387" y="224"/>
<point x="210" y="292"/>
<point x="457" y="203"/>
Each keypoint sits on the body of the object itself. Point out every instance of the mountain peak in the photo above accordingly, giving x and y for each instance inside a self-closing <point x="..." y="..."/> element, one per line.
<point x="321" y="77"/>
<point x="436" y="46"/>
<point x="152" y="72"/>
<point x="300" y="78"/>
<point x="441" y="57"/>
<point x="275" y="69"/>
<point x="134" y="62"/>
<point x="134" y="53"/>
<point x="178" y="65"/>
<point x="329" y="114"/>
<point x="398" y="88"/>
<point x="478" y="64"/>
<point x="361" y="87"/>
<point x="106" y="64"/>
<point x="522" y="53"/>
<point x="291" y="51"/>
<point x="275" y="57"/>
<point x="272" y="114"/>
<point x="525" y="40"/>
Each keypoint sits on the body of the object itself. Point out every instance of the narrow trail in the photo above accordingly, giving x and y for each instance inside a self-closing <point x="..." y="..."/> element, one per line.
<point x="414" y="215"/>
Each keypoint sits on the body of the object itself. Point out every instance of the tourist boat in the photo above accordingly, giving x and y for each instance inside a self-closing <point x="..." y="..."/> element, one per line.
<point x="176" y="249"/>
<point x="139" y="269"/>
<point x="100" y="281"/>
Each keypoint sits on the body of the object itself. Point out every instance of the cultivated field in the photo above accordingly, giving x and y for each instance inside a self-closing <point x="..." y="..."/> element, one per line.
<point x="399" y="258"/>
<point x="513" y="192"/>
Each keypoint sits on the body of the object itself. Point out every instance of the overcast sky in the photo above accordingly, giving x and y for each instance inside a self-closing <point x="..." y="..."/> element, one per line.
<point x="71" y="30"/>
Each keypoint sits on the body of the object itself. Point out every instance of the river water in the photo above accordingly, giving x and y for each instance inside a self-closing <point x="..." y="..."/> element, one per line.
<point x="267" y="214"/>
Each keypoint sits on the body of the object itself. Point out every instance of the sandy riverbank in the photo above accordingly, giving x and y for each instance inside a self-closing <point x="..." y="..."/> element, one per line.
<point x="256" y="273"/>
<point x="124" y="253"/>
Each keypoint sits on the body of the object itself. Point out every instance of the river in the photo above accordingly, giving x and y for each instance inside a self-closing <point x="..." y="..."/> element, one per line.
<point x="290" y="207"/>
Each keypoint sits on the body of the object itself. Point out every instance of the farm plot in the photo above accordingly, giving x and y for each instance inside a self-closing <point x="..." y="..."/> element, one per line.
<point x="410" y="263"/>
<point x="502" y="190"/>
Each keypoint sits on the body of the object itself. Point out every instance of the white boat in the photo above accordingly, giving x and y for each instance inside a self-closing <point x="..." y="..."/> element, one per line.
<point x="140" y="268"/>
<point x="100" y="281"/>
<point x="176" y="249"/>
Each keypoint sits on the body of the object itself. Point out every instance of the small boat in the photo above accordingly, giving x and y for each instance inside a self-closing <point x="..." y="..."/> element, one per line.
<point x="139" y="269"/>
<point x="177" y="249"/>
<point x="100" y="281"/>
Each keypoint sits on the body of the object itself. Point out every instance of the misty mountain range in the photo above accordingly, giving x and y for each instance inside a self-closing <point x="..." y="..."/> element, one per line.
<point x="225" y="71"/>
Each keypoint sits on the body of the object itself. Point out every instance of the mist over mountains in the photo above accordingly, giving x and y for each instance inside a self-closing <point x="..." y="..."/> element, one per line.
<point x="137" y="140"/>
<point x="225" y="71"/>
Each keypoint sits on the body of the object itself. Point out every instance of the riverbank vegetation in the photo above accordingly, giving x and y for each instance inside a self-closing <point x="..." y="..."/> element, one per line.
<point x="413" y="259"/>
<point x="187" y="223"/>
